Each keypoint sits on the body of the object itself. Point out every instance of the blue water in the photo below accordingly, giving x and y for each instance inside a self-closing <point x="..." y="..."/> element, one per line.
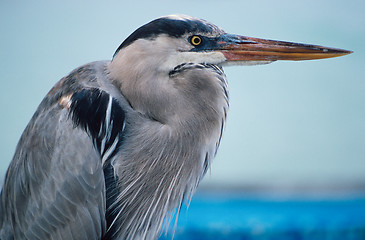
<point x="260" y="218"/>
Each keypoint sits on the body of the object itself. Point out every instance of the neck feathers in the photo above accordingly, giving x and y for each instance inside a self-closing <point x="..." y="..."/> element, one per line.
<point x="168" y="149"/>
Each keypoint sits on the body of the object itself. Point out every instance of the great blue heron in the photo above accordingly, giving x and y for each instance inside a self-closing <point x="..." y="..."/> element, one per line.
<point x="116" y="146"/>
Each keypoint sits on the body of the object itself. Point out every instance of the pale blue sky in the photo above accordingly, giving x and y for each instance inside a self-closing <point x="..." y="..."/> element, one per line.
<point x="290" y="123"/>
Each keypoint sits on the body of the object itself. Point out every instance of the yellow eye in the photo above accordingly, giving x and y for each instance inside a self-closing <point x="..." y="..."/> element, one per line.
<point x="196" y="40"/>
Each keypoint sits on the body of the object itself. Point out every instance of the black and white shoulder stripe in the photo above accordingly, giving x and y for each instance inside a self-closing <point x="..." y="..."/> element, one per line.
<point x="101" y="116"/>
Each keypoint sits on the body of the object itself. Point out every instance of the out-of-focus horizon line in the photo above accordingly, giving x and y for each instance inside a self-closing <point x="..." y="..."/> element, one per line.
<point x="285" y="191"/>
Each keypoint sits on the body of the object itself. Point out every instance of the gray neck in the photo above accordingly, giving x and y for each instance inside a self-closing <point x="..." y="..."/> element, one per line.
<point x="181" y="119"/>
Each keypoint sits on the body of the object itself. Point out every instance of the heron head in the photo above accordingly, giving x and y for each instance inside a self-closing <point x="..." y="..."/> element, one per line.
<point x="143" y="63"/>
<point x="176" y="39"/>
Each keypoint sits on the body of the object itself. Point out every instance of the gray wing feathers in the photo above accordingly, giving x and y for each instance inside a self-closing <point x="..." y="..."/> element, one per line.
<point x="55" y="186"/>
<point x="59" y="188"/>
<point x="64" y="195"/>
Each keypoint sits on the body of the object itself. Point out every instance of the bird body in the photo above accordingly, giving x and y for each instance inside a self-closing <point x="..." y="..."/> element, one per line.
<point x="172" y="167"/>
<point x="116" y="146"/>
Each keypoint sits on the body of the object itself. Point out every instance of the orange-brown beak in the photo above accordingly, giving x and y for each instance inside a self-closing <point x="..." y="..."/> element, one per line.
<point x="241" y="48"/>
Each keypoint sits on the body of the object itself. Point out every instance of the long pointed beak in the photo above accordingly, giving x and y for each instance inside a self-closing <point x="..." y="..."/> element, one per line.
<point x="241" y="48"/>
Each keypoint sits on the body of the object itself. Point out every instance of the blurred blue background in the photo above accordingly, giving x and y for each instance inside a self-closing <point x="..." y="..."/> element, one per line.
<point x="294" y="147"/>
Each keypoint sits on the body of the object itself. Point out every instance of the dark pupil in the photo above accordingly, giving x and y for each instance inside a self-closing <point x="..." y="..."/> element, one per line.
<point x="196" y="40"/>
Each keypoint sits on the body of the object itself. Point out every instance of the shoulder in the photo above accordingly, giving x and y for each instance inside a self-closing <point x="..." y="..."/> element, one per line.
<point x="100" y="115"/>
<point x="93" y="104"/>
